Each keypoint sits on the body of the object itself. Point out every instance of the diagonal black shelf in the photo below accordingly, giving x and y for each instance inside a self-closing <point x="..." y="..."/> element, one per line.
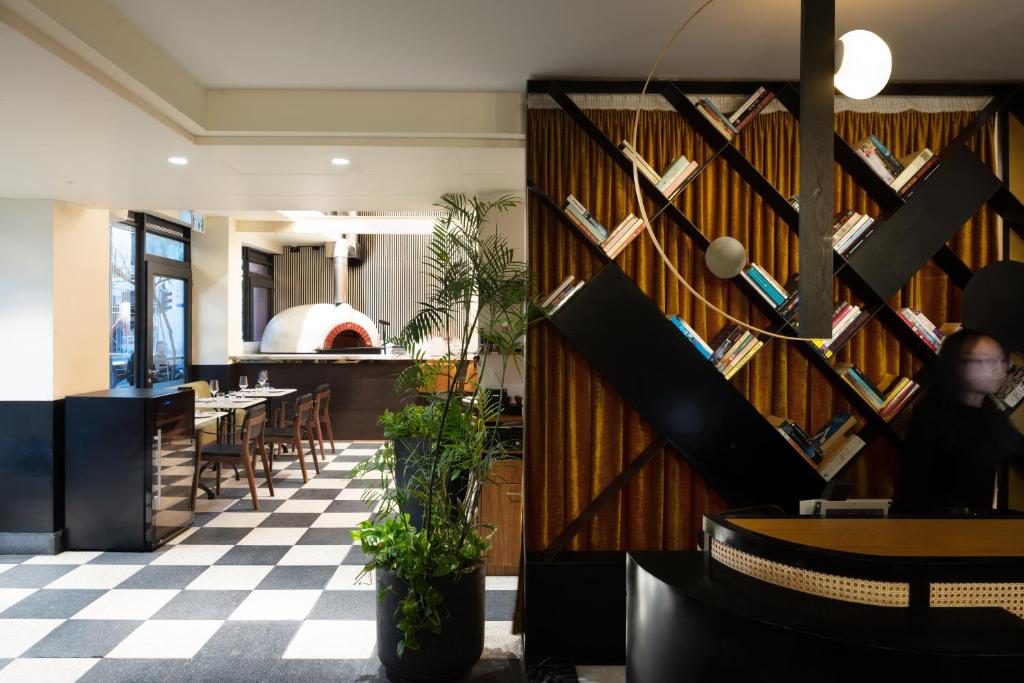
<point x="921" y="227"/>
<point x="681" y="395"/>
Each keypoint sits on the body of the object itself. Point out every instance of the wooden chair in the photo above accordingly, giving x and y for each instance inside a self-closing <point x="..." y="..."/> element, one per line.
<point x="323" y="416"/>
<point x="243" y="452"/>
<point x="292" y="432"/>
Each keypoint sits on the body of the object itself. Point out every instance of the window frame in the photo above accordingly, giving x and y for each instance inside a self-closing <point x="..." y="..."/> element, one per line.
<point x="250" y="281"/>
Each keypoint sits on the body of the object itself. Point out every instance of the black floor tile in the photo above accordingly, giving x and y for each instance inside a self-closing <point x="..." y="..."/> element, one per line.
<point x="51" y="604"/>
<point x="297" y="578"/>
<point x="253" y="554"/>
<point x="83" y="638"/>
<point x="290" y="519"/>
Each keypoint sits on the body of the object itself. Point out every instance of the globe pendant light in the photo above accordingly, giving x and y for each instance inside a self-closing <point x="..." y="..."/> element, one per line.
<point x="865" y="64"/>
<point x="726" y="257"/>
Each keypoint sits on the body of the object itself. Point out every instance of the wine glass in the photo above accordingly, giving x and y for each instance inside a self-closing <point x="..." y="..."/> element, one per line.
<point x="243" y="382"/>
<point x="214" y="387"/>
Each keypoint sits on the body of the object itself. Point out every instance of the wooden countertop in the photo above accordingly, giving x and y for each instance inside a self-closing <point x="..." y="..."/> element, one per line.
<point x="896" y="537"/>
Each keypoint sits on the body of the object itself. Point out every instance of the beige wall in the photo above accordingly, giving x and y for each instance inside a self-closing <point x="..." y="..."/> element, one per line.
<point x="212" y="304"/>
<point x="81" y="299"/>
<point x="54" y="293"/>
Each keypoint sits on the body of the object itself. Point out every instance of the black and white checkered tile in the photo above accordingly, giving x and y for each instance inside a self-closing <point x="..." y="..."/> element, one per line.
<point x="244" y="594"/>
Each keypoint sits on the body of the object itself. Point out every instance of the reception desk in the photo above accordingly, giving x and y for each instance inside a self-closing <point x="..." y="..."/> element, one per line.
<point x="773" y="597"/>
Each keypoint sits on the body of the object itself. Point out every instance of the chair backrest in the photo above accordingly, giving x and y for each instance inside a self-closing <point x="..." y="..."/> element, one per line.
<point x="201" y="387"/>
<point x="303" y="411"/>
<point x="254" y="423"/>
<point x="323" y="399"/>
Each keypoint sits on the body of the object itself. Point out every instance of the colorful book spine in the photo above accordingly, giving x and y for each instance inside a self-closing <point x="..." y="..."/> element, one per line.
<point x="692" y="335"/>
<point x="748" y="115"/>
<point x="867" y="151"/>
<point x="911" y="185"/>
<point x="750" y="102"/>
<point x="774" y="295"/>
<point x="680" y="180"/>
<point x="855" y="234"/>
<point x="911" y="169"/>
<point x="717" y="122"/>
<point x="736" y="350"/>
<point x="720" y="114"/>
<point x="558" y="303"/>
<point x="742" y="361"/>
<point x="894" y="165"/>
<point x="835" y="462"/>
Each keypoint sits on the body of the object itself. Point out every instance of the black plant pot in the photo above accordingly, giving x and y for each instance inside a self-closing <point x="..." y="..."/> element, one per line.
<point x="447" y="656"/>
<point x="411" y="456"/>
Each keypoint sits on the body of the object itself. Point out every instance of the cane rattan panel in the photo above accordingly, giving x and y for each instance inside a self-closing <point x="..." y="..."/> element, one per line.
<point x="1009" y="596"/>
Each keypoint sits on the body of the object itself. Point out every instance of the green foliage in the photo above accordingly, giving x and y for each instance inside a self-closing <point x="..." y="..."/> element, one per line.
<point x="476" y="282"/>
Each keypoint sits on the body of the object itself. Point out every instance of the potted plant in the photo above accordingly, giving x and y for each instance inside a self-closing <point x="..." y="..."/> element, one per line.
<point x="424" y="543"/>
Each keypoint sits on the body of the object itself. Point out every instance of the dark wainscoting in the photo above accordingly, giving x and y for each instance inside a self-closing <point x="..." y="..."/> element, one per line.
<point x="575" y="607"/>
<point x="360" y="391"/>
<point x="31" y="476"/>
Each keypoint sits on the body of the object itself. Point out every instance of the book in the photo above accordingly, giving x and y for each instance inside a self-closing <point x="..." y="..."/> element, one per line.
<point x="853" y="376"/>
<point x="565" y="284"/>
<point x="834" y="431"/>
<point x="836" y="461"/>
<point x="771" y="281"/>
<point x="750" y="102"/>
<point x="736" y="351"/>
<point x="720" y="114"/>
<point x="643" y="167"/>
<point x="899" y="400"/>
<point x="922" y="174"/>
<point x="867" y="151"/>
<point x="845" y="222"/>
<point x="911" y="166"/>
<point x="692" y="335"/>
<point x="894" y="165"/>
<point x="585" y="220"/>
<point x="615" y="247"/>
<point x="715" y="120"/>
<point x="794" y="201"/>
<point x="858" y="233"/>
<point x="672" y="172"/>
<point x="757" y="288"/>
<point x="726" y="337"/>
<point x="766" y="285"/>
<point x="922" y="327"/>
<point x="567" y="295"/>
<point x="620" y="232"/>
<point x="797" y="437"/>
<point x="751" y="108"/>
<point x="742" y="360"/>
<point x="672" y="187"/>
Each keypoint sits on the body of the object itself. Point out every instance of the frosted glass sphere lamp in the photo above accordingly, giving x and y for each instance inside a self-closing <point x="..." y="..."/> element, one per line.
<point x="865" y="64"/>
<point x="725" y="257"/>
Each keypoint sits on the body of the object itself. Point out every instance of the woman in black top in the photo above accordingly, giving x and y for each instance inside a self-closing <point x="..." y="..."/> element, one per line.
<point x="958" y="440"/>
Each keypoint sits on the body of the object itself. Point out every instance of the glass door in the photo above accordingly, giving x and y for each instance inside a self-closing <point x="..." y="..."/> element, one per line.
<point x="168" y="324"/>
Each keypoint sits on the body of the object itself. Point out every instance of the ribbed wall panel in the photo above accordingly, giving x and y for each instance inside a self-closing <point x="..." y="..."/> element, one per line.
<point x="388" y="285"/>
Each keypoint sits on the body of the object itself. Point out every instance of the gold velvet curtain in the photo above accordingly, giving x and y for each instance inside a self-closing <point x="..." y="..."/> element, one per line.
<point x="580" y="433"/>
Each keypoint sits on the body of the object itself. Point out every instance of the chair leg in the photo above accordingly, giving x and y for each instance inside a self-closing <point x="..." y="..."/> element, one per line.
<point x="195" y="476"/>
<point x="320" y="438"/>
<point x="302" y="460"/>
<point x="247" y="466"/>
<point x="216" y="469"/>
<point x="330" y="433"/>
<point x="267" y="469"/>
<point x="312" y="447"/>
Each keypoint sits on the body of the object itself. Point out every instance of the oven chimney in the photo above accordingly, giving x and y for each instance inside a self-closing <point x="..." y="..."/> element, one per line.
<point x="342" y="248"/>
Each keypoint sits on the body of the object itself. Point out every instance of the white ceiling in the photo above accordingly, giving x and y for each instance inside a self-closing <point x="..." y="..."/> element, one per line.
<point x="498" y="44"/>
<point x="64" y="136"/>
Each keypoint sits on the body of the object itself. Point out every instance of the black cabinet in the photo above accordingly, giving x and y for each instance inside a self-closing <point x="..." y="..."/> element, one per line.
<point x="130" y="461"/>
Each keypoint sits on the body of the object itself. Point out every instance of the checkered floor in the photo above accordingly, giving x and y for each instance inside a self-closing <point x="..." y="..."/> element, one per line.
<point x="243" y="595"/>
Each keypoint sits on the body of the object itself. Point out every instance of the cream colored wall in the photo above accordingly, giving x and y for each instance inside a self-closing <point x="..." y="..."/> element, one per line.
<point x="26" y="299"/>
<point x="211" y="254"/>
<point x="81" y="299"/>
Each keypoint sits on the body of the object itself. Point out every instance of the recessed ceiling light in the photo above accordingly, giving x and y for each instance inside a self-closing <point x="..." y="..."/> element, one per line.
<point x="339" y="161"/>
<point x="298" y="215"/>
<point x="177" y="161"/>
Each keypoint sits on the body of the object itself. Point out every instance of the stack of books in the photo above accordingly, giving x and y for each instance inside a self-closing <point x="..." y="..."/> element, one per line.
<point x="733" y="347"/>
<point x="896" y="391"/>
<point x="751" y="108"/>
<point x="902" y="175"/>
<point x="728" y="126"/>
<point x="765" y="285"/>
<point x="794" y="201"/>
<point x="668" y="183"/>
<point x="691" y="334"/>
<point x="1012" y="390"/>
<point x="843" y="317"/>
<point x="837" y="444"/>
<point x="562" y="293"/>
<point x="850" y="230"/>
<point x="612" y="243"/>
<point x="924" y="328"/>
<point x="791" y="305"/>
<point x="798" y="438"/>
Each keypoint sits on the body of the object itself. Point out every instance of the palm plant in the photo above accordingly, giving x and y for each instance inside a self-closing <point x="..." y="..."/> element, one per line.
<point x="475" y="284"/>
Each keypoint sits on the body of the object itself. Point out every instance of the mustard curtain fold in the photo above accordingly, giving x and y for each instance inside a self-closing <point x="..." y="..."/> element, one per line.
<point x="580" y="433"/>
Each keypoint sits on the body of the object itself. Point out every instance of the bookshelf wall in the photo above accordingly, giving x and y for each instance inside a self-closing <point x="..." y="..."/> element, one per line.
<point x="915" y="230"/>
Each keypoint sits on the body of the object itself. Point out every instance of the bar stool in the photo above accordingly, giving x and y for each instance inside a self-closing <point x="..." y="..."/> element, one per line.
<point x="241" y="453"/>
<point x="301" y="425"/>
<point x="323" y="416"/>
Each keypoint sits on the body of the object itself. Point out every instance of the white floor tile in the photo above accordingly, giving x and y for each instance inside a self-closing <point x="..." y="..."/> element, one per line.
<point x="322" y="555"/>
<point x="230" y="577"/>
<point x="344" y="579"/>
<point x="45" y="670"/>
<point x="338" y="466"/>
<point x="18" y="635"/>
<point x="324" y="483"/>
<point x="303" y="506"/>
<point x="159" y="639"/>
<point x="333" y="640"/>
<point x="249" y="520"/>
<point x="192" y="554"/>
<point x="5" y="567"/>
<point x="293" y="474"/>
<point x="69" y="557"/>
<point x="498" y="636"/>
<point x="339" y="520"/>
<point x="601" y="674"/>
<point x="276" y="605"/>
<point x="273" y="536"/>
<point x="215" y="505"/>
<point x="10" y="596"/>
<point x="127" y="603"/>
<point x="501" y="583"/>
<point x="352" y="494"/>
<point x="96" y="576"/>
<point x="360" y="451"/>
